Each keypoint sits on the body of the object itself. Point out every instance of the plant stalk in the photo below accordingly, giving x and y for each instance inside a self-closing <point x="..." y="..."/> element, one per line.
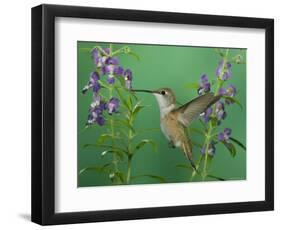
<point x="129" y="170"/>
<point x="197" y="167"/>
<point x="210" y="128"/>
<point x="113" y="133"/>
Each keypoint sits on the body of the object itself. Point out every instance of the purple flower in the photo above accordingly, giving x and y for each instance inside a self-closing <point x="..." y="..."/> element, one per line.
<point x="96" y="87"/>
<point x="97" y="103"/>
<point x="112" y="61"/>
<point x="95" y="54"/>
<point x="207" y="114"/>
<point x="128" y="76"/>
<point x="112" y="105"/>
<point x="93" y="83"/>
<point x="204" y="85"/>
<point x="222" y="91"/>
<point x="118" y="70"/>
<point x="96" y="100"/>
<point x="223" y="71"/>
<point x="95" y="116"/>
<point x="100" y="120"/>
<point x="102" y="61"/>
<point x="211" y="149"/>
<point x="85" y="89"/>
<point x="230" y="91"/>
<point x="106" y="50"/>
<point x="128" y="84"/>
<point x="99" y="58"/>
<point x="225" y="135"/>
<point x="220" y="112"/>
<point x="110" y="79"/>
<point x="96" y="111"/>
<point x="110" y="68"/>
<point x="94" y="76"/>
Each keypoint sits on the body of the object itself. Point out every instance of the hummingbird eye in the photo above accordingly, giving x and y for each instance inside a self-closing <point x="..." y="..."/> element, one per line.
<point x="163" y="92"/>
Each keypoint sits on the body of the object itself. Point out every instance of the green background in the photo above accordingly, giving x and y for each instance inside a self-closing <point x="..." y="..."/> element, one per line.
<point x="162" y="66"/>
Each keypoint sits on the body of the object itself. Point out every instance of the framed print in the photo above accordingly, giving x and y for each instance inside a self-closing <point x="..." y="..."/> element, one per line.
<point x="142" y="114"/>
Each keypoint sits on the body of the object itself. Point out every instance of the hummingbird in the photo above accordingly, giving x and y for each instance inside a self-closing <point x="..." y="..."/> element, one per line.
<point x="174" y="120"/>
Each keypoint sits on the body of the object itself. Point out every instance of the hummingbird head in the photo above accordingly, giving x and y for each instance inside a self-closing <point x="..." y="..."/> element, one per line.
<point x="165" y="97"/>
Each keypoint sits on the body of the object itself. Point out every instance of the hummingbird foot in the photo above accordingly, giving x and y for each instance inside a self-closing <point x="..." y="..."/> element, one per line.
<point x="171" y="145"/>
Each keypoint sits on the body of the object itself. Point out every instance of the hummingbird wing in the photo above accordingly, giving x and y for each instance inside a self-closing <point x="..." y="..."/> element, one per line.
<point x="191" y="110"/>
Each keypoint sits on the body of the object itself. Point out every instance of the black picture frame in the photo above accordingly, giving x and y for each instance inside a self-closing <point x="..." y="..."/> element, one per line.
<point x="43" y="114"/>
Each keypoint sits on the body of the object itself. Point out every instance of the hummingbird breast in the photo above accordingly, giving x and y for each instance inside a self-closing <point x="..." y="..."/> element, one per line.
<point x="172" y="129"/>
<point x="174" y="132"/>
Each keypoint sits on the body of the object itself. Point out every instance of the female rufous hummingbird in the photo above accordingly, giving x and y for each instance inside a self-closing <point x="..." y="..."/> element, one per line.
<point x="173" y="120"/>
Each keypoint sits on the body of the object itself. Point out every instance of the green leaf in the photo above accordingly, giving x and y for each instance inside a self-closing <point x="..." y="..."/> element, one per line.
<point x="215" y="177"/>
<point x="101" y="50"/>
<point x="95" y="168"/>
<point x="133" y="54"/>
<point x="159" y="178"/>
<point x="126" y="123"/>
<point x="213" y="82"/>
<point x="192" y="86"/>
<point x="105" y="152"/>
<point x="123" y="100"/>
<point x="104" y="137"/>
<point x="130" y="102"/>
<point x="144" y="142"/>
<point x="238" y="143"/>
<point x="219" y="51"/>
<point x="105" y="146"/>
<point x="103" y="84"/>
<point x="117" y="175"/>
<point x="238" y="59"/>
<point x="231" y="148"/>
<point x="214" y="121"/>
<point x="126" y="49"/>
<point x="136" y="109"/>
<point x="185" y="166"/>
<point x="122" y="82"/>
<point x="233" y="100"/>
<point x="115" y="151"/>
<point x="133" y="94"/>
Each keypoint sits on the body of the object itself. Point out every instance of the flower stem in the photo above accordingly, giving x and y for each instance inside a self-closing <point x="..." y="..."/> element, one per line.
<point x="129" y="169"/>
<point x="197" y="167"/>
<point x="110" y="89"/>
<point x="210" y="128"/>
<point x="130" y="154"/>
<point x="113" y="134"/>
<point x="205" y="167"/>
<point x="110" y="50"/>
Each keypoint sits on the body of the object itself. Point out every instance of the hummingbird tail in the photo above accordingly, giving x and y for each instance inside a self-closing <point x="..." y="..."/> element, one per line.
<point x="188" y="154"/>
<point x="193" y="165"/>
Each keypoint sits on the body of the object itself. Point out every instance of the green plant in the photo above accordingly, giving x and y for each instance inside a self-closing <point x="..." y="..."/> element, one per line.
<point x="115" y="108"/>
<point x="214" y="116"/>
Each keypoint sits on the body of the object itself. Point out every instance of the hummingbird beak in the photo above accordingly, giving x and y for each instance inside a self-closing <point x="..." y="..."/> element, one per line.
<point x="145" y="91"/>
